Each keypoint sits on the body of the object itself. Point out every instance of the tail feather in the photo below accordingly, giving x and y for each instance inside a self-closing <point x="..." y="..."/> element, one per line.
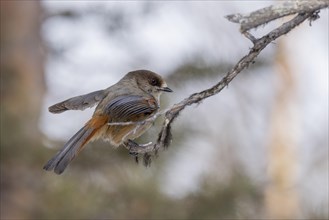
<point x="60" y="161"/>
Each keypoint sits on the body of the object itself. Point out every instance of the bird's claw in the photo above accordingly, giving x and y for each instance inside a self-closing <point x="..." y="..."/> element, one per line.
<point x="134" y="147"/>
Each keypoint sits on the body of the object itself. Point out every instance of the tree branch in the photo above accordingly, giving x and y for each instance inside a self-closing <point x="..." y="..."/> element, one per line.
<point x="309" y="11"/>
<point x="265" y="15"/>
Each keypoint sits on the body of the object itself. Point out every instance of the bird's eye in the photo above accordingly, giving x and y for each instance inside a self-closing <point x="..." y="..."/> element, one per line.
<point x="153" y="82"/>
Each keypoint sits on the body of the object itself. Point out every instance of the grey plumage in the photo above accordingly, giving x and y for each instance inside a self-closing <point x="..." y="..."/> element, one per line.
<point x="79" y="102"/>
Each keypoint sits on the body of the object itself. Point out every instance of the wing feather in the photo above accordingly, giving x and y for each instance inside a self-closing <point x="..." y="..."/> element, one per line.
<point x="130" y="108"/>
<point x="79" y="102"/>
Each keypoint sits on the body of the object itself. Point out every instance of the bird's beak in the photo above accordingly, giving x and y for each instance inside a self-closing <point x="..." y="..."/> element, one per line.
<point x="165" y="89"/>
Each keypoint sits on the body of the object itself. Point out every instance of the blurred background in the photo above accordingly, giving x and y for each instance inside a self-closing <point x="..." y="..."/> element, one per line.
<point x="258" y="149"/>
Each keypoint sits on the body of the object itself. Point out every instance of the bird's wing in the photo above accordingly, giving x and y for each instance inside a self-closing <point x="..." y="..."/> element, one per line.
<point x="131" y="108"/>
<point x="79" y="102"/>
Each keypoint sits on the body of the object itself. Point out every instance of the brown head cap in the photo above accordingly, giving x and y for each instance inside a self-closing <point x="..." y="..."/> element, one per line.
<point x="148" y="80"/>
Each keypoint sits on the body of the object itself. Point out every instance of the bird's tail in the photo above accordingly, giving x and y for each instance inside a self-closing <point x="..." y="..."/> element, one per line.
<point x="72" y="148"/>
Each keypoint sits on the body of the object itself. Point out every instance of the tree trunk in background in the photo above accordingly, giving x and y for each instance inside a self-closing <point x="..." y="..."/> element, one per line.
<point x="22" y="80"/>
<point x="22" y="89"/>
<point x="281" y="195"/>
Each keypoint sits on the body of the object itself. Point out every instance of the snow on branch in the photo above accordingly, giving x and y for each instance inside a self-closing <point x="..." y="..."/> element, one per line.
<point x="304" y="10"/>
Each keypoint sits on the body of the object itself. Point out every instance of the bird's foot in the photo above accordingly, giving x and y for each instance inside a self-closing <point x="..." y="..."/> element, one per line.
<point x="134" y="149"/>
<point x="131" y="145"/>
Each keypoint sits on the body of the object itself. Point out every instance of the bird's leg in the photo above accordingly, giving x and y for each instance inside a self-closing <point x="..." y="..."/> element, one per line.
<point x="132" y="146"/>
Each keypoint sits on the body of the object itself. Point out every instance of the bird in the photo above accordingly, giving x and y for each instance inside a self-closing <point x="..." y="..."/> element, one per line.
<point x="134" y="98"/>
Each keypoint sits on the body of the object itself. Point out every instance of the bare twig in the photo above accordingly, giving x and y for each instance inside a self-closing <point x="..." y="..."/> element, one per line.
<point x="265" y="15"/>
<point x="165" y="137"/>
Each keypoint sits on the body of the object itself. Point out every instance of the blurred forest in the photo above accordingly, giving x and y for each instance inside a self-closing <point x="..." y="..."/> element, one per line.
<point x="257" y="150"/>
